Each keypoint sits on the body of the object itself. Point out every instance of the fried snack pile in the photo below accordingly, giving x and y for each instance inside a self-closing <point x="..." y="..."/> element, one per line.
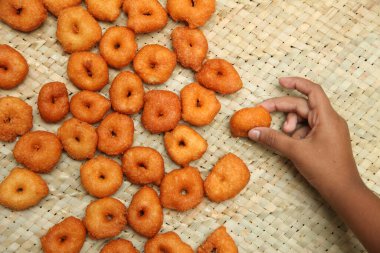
<point x="182" y="189"/>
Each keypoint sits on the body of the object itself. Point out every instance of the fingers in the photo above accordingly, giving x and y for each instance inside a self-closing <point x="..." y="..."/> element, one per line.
<point x="316" y="95"/>
<point x="301" y="132"/>
<point x="287" y="104"/>
<point x="290" y="123"/>
<point x="273" y="139"/>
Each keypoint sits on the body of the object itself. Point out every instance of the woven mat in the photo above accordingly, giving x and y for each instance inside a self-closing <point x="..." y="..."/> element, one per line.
<point x="333" y="42"/>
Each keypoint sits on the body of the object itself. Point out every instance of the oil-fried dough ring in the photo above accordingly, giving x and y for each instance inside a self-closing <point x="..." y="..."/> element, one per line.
<point x="119" y="246"/>
<point x="145" y="16"/>
<point x="39" y="151"/>
<point x="218" y="241"/>
<point x="194" y="12"/>
<point x="168" y="242"/>
<point x="220" y="76"/>
<point x="13" y="67"/>
<point x="245" y="119"/>
<point x="143" y="165"/>
<point x="101" y="176"/>
<point x="145" y="215"/>
<point x="115" y="134"/>
<point x="53" y="102"/>
<point x="182" y="189"/>
<point x="23" y="15"/>
<point x="199" y="105"/>
<point x="105" y="218"/>
<point x="184" y="145"/>
<point x="77" y="30"/>
<point x="16" y="118"/>
<point x="89" y="106"/>
<point x="154" y="64"/>
<point x="55" y="6"/>
<point x="78" y="138"/>
<point x="68" y="236"/>
<point x="118" y="46"/>
<point x="190" y="46"/>
<point x="227" y="178"/>
<point x="127" y="93"/>
<point x="87" y="71"/>
<point x="106" y="10"/>
<point x="22" y="189"/>
<point x="162" y="111"/>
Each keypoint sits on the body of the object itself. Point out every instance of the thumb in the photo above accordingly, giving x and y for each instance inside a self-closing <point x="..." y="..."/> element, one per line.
<point x="273" y="139"/>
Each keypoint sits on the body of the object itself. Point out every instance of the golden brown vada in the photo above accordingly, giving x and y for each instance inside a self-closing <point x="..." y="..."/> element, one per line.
<point x="118" y="46"/>
<point x="199" y="105"/>
<point x="23" y="15"/>
<point x="227" y="178"/>
<point x="218" y="241"/>
<point x="101" y="177"/>
<point x="89" y="106"/>
<point x="105" y="218"/>
<point x="115" y="133"/>
<point x="194" y="12"/>
<point x="245" y="119"/>
<point x="154" y="64"/>
<point x="55" y="6"/>
<point x="53" y="102"/>
<point x="127" y="93"/>
<point x="190" y="46"/>
<point x="143" y="165"/>
<point x="220" y="76"/>
<point x="182" y="189"/>
<point x="22" y="189"/>
<point x="79" y="139"/>
<point x="119" y="246"/>
<point x="105" y="10"/>
<point x="184" y="145"/>
<point x="68" y="236"/>
<point x="145" y="16"/>
<point x="13" y="67"/>
<point x="39" y="151"/>
<point x="168" y="242"/>
<point x="77" y="30"/>
<point x="145" y="215"/>
<point x="162" y="111"/>
<point x="16" y="118"/>
<point x="87" y="71"/>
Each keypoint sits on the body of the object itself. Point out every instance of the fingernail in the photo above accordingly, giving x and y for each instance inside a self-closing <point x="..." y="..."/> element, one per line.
<point x="254" y="134"/>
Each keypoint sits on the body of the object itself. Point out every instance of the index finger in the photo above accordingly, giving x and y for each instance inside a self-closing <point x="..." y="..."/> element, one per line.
<point x="316" y="95"/>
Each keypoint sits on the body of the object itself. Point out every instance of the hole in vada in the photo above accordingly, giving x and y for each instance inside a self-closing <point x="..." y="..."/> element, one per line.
<point x="152" y="65"/>
<point x="192" y="3"/>
<point x="160" y="114"/>
<point x="62" y="239"/>
<point x="77" y="138"/>
<point x="184" y="192"/>
<point x="75" y="29"/>
<point x="109" y="217"/>
<point x="214" y="250"/>
<point x="88" y="105"/>
<point x="141" y="165"/>
<point x="113" y="133"/>
<point x="141" y="212"/>
<point x="117" y="46"/>
<point x="7" y="120"/>
<point x="129" y="94"/>
<point x="182" y="143"/>
<point x="3" y="67"/>
<point x="18" y="11"/>
<point x="198" y="103"/>
<point x="36" y="147"/>
<point x="20" y="189"/>
<point x="147" y="13"/>
<point x="53" y="99"/>
<point x="219" y="73"/>
<point x="190" y="45"/>
<point x="102" y="177"/>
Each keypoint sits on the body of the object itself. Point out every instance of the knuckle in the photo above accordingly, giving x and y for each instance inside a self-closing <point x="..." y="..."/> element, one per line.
<point x="271" y="139"/>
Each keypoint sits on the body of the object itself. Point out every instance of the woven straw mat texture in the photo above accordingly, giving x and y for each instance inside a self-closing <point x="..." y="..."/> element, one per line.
<point x="335" y="43"/>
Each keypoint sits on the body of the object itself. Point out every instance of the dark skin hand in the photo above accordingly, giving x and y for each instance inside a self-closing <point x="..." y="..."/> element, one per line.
<point x="321" y="151"/>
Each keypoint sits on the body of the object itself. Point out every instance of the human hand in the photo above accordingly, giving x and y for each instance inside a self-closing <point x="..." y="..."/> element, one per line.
<point x="321" y="148"/>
